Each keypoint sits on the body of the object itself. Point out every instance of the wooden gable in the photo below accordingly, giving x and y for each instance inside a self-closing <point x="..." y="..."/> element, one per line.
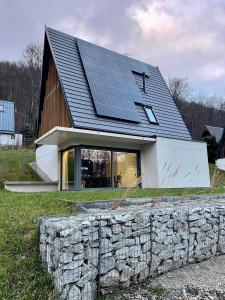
<point x="54" y="111"/>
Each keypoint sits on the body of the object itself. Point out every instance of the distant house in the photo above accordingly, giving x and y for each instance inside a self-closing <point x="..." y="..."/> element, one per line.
<point x="211" y="131"/>
<point x="106" y="120"/>
<point x="8" y="136"/>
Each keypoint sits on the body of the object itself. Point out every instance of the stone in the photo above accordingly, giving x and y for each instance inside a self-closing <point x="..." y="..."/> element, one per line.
<point x="122" y="253"/>
<point x="116" y="228"/>
<point x="120" y="265"/>
<point x="123" y="218"/>
<point x="71" y="276"/>
<point x="84" y="279"/>
<point x="126" y="274"/>
<point x="110" y="279"/>
<point x="87" y="292"/>
<point x="76" y="238"/>
<point x="73" y="265"/>
<point x="135" y="251"/>
<point x="154" y="263"/>
<point x="206" y="227"/>
<point x="106" y="246"/>
<point x="85" y="224"/>
<point x="146" y="247"/>
<point x="117" y="237"/>
<point x="106" y="232"/>
<point x="74" y="293"/>
<point x="140" y="267"/>
<point x="144" y="238"/>
<point x="77" y="248"/>
<point x="107" y="263"/>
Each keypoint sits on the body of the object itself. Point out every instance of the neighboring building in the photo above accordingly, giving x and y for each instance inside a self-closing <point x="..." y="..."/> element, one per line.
<point x="105" y="120"/>
<point x="211" y="131"/>
<point x="8" y="137"/>
<point x="220" y="155"/>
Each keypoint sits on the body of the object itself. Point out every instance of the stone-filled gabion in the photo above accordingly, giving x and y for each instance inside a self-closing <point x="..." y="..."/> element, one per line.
<point x="92" y="253"/>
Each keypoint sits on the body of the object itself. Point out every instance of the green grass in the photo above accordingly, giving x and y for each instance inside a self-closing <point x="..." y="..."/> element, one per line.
<point x="21" y="272"/>
<point x="14" y="165"/>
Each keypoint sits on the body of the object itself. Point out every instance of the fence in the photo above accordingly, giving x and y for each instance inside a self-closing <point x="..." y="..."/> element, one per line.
<point x="92" y="254"/>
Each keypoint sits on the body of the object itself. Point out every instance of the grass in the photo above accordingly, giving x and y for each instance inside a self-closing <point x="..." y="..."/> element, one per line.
<point x="14" y="165"/>
<point x="21" y="273"/>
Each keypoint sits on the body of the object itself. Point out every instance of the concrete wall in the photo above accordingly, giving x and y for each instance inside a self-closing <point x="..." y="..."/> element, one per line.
<point x="91" y="252"/>
<point x="175" y="164"/>
<point x="220" y="163"/>
<point x="11" y="140"/>
<point x="47" y="161"/>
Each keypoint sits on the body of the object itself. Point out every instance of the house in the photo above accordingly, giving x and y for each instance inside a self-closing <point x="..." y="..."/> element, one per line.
<point x="8" y="136"/>
<point x="106" y="120"/>
<point x="211" y="131"/>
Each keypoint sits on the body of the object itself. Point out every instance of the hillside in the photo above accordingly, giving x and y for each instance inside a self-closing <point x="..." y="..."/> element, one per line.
<point x="14" y="165"/>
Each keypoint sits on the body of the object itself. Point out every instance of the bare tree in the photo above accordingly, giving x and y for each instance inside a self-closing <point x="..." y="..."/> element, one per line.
<point x="32" y="55"/>
<point x="179" y="88"/>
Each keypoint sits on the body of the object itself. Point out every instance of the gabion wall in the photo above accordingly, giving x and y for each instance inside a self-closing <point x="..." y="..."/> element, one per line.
<point x="90" y="254"/>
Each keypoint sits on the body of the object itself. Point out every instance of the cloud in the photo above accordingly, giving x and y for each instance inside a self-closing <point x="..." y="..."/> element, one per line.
<point x="184" y="38"/>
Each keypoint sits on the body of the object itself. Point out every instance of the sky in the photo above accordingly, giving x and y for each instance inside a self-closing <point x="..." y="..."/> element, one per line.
<point x="184" y="38"/>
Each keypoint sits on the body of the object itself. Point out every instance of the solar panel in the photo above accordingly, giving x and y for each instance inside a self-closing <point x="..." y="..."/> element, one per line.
<point x="113" y="86"/>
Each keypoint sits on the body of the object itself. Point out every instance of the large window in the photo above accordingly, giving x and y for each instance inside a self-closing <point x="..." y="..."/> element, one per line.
<point x="96" y="168"/>
<point x="125" y="169"/>
<point x="68" y="168"/>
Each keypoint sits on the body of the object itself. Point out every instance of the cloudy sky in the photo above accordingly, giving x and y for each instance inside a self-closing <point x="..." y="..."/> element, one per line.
<point x="184" y="38"/>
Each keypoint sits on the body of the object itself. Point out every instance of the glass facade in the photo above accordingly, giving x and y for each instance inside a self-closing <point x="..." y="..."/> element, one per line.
<point x="125" y="169"/>
<point x="99" y="168"/>
<point x="68" y="169"/>
<point x="95" y="168"/>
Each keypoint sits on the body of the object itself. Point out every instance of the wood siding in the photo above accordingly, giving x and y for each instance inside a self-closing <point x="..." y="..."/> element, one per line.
<point x="54" y="111"/>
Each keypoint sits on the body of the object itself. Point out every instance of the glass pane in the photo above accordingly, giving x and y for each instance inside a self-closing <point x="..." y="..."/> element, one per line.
<point x="68" y="158"/>
<point x="125" y="169"/>
<point x="96" y="168"/>
<point x="151" y="115"/>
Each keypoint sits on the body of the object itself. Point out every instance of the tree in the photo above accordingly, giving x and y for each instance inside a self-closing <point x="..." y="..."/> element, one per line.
<point x="179" y="88"/>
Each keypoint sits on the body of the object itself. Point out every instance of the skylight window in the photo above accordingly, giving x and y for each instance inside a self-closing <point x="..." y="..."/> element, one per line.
<point x="1" y="107"/>
<point x="150" y="114"/>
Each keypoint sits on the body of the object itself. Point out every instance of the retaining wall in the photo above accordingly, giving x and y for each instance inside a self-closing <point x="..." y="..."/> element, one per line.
<point x="92" y="253"/>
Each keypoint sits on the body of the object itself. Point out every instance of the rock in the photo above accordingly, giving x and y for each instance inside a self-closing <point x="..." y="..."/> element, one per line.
<point x="120" y="265"/>
<point x="123" y="218"/>
<point x="106" y="232"/>
<point x="116" y="228"/>
<point x="77" y="248"/>
<point x="106" y="246"/>
<point x="135" y="251"/>
<point x="126" y="274"/>
<point x="84" y="280"/>
<point x="146" y="247"/>
<point x="144" y="238"/>
<point x="110" y="279"/>
<point x="122" y="253"/>
<point x="87" y="292"/>
<point x="73" y="265"/>
<point x="154" y="263"/>
<point x="71" y="276"/>
<point x="107" y="263"/>
<point x="74" y="293"/>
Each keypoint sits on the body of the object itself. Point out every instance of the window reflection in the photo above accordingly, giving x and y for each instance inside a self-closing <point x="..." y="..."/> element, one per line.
<point x="125" y="169"/>
<point x="96" y="168"/>
<point x="68" y="158"/>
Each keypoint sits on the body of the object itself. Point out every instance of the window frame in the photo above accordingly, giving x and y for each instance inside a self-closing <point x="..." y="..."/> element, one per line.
<point x="78" y="167"/>
<point x="146" y="108"/>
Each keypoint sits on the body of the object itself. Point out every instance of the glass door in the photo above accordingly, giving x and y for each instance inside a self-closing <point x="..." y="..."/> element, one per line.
<point x="68" y="169"/>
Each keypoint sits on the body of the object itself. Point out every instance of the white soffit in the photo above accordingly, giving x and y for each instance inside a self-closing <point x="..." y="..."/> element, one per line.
<point x="63" y="135"/>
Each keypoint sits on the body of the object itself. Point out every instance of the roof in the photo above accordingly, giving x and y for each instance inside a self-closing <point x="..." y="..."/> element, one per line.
<point x="84" y="93"/>
<point x="215" y="131"/>
<point x="7" y="116"/>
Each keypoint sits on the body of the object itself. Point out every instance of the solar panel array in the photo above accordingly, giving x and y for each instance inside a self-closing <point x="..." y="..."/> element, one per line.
<point x="112" y="84"/>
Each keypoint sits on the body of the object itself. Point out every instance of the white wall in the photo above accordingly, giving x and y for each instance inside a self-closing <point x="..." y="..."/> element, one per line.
<point x="179" y="164"/>
<point x="220" y="163"/>
<point x="11" y="140"/>
<point x="47" y="160"/>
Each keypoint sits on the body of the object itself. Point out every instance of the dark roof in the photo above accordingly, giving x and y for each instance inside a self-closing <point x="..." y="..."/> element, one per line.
<point x="79" y="93"/>
<point x="7" y="116"/>
<point x="215" y="131"/>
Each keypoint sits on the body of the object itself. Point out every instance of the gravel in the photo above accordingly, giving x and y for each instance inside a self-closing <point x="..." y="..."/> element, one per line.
<point x="202" y="281"/>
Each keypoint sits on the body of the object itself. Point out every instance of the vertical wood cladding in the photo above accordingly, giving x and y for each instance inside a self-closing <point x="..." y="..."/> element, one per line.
<point x="54" y="111"/>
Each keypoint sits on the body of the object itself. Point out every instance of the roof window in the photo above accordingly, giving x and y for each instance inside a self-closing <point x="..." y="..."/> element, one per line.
<point x="151" y="115"/>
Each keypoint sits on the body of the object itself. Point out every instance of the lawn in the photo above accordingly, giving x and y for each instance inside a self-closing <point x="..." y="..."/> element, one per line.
<point x="21" y="272"/>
